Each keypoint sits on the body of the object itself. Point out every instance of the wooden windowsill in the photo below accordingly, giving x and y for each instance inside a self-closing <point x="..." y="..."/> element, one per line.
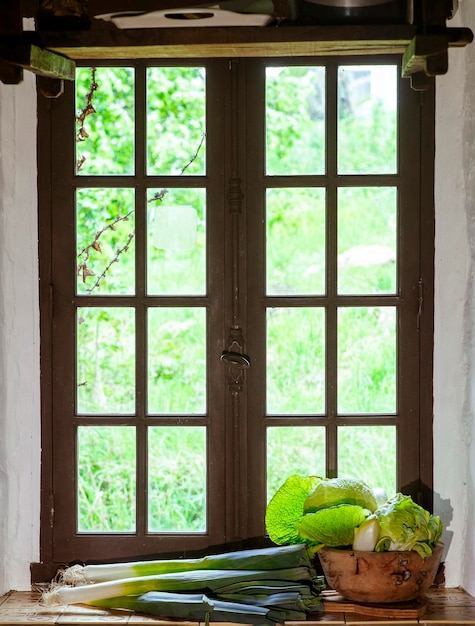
<point x="443" y="606"/>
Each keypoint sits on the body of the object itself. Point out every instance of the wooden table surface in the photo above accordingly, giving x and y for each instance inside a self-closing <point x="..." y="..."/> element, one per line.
<point x="443" y="606"/>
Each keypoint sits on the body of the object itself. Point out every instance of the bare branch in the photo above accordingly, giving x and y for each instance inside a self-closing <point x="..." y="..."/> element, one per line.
<point x="193" y="158"/>
<point x="83" y="270"/>
<point x="119" y="251"/>
<point x="158" y="197"/>
<point x="88" y="109"/>
<point x="84" y="255"/>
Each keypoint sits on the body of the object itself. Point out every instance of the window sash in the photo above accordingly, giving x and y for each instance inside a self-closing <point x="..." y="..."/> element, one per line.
<point x="236" y="417"/>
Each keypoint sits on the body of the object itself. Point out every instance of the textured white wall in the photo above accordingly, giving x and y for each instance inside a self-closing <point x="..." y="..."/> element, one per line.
<point x="19" y="337"/>
<point x="454" y="365"/>
<point x="454" y="323"/>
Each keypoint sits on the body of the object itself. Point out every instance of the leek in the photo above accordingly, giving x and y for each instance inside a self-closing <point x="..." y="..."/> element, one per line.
<point x="277" y="557"/>
<point x="196" y="580"/>
<point x="262" y="587"/>
<point x="196" y="607"/>
<point x="268" y="586"/>
<point x="290" y="601"/>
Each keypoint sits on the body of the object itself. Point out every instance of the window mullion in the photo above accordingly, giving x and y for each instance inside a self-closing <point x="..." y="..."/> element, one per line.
<point x="331" y="117"/>
<point x="237" y="503"/>
<point x="256" y="301"/>
<point x="141" y="343"/>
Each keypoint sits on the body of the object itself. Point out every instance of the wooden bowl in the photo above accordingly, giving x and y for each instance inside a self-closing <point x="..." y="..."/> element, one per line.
<point x="379" y="577"/>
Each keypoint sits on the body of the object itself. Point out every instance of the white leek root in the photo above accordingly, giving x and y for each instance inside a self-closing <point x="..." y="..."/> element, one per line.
<point x="75" y="575"/>
<point x="65" y="594"/>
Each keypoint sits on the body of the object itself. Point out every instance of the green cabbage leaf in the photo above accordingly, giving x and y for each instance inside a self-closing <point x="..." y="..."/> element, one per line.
<point x="334" y="526"/>
<point x="286" y="508"/>
<point x="336" y="491"/>
<point x="289" y="521"/>
<point x="404" y="525"/>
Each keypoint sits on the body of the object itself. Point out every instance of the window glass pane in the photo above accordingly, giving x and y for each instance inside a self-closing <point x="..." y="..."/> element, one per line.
<point x="367" y="360"/>
<point x="106" y="478"/>
<point x="177" y="360"/>
<point x="367" y="119"/>
<point x="106" y="360"/>
<point x="177" y="479"/>
<point x="176" y="120"/>
<point x="295" y="253"/>
<point x="295" y="360"/>
<point x="297" y="449"/>
<point x="295" y="120"/>
<point x="369" y="453"/>
<point x="105" y="120"/>
<point x="367" y="240"/>
<point x="176" y="250"/>
<point x="105" y="240"/>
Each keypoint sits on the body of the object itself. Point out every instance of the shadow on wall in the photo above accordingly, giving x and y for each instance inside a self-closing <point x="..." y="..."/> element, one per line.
<point x="444" y="510"/>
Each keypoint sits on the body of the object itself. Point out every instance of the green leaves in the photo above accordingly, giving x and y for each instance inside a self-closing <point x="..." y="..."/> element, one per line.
<point x="404" y="525"/>
<point x="342" y="512"/>
<point x="319" y="511"/>
<point x="333" y="526"/>
<point x="287" y="507"/>
<point x="198" y="607"/>
<point x="340" y="491"/>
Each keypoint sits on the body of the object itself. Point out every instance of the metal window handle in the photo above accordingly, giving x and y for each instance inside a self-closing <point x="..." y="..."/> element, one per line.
<point x="236" y="359"/>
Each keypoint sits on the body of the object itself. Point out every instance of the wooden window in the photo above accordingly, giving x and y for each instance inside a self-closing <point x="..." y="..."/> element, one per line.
<point x="236" y="283"/>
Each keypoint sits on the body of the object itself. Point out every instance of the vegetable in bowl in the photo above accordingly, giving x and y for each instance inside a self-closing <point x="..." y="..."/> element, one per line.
<point x="347" y="513"/>
<point x="404" y="525"/>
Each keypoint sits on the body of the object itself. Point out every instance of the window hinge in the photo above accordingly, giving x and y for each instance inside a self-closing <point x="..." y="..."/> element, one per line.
<point x="420" y="301"/>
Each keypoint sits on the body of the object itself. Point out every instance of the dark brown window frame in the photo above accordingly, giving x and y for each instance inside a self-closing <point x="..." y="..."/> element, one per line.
<point x="241" y="521"/>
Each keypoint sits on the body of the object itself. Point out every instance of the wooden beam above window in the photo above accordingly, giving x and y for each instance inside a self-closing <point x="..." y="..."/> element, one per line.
<point x="269" y="41"/>
<point x="38" y="60"/>
<point x="427" y="55"/>
<point x="424" y="42"/>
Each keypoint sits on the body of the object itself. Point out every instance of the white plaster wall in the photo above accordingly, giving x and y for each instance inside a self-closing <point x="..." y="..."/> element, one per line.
<point x="19" y="337"/>
<point x="454" y="387"/>
<point x="454" y="384"/>
<point x="468" y="426"/>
